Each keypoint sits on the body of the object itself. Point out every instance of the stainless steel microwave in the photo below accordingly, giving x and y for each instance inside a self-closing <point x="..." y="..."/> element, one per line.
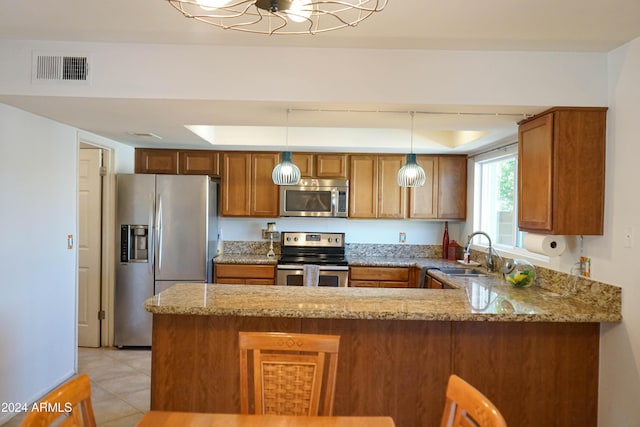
<point x="315" y="198"/>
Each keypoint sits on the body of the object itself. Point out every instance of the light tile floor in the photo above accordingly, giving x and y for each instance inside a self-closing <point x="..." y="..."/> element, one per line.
<point x="120" y="385"/>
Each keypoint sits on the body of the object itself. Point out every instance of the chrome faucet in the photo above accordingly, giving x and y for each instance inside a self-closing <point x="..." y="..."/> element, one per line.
<point x="491" y="265"/>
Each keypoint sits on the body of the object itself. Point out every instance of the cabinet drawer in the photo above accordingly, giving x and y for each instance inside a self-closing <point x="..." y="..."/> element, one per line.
<point x="245" y="271"/>
<point x="364" y="284"/>
<point x="392" y="284"/>
<point x="400" y="274"/>
<point x="259" y="282"/>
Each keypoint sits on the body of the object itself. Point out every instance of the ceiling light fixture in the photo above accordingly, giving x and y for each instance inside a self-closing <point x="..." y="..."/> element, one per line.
<point x="279" y="16"/>
<point x="286" y="172"/>
<point x="411" y="174"/>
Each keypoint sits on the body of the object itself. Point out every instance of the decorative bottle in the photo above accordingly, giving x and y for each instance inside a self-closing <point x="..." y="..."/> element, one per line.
<point x="445" y="240"/>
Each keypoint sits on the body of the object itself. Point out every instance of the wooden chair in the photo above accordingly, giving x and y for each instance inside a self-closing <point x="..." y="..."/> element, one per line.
<point x="467" y="407"/>
<point x="68" y="405"/>
<point x="288" y="374"/>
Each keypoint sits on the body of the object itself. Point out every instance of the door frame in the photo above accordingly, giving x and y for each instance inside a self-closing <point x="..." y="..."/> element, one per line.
<point x="107" y="243"/>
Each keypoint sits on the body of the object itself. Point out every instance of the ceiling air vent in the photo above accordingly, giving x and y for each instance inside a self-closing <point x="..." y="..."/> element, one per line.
<point x="60" y="68"/>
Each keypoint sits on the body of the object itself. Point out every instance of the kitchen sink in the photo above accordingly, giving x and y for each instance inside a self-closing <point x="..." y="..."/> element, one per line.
<point x="469" y="272"/>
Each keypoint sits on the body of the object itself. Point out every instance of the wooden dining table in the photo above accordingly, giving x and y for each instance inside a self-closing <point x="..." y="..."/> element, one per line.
<point x="195" y="419"/>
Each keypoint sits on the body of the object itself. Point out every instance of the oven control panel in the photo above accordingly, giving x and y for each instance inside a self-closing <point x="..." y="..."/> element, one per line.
<point x="324" y="240"/>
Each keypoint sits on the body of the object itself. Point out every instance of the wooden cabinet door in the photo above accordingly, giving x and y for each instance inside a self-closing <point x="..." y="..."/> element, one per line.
<point x="306" y="164"/>
<point x="434" y="283"/>
<point x="423" y="201"/>
<point x="561" y="171"/>
<point x="199" y="162"/>
<point x="236" y="184"/>
<point x="452" y="185"/>
<point x="535" y="174"/>
<point x="331" y="165"/>
<point x="264" y="193"/>
<point x="391" y="197"/>
<point x="158" y="161"/>
<point x="363" y="186"/>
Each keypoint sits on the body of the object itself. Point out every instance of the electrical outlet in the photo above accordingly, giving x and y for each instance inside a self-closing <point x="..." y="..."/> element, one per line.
<point x="402" y="237"/>
<point x="628" y="237"/>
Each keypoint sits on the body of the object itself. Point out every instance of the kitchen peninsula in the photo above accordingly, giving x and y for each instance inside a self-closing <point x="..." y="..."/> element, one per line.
<point x="533" y="352"/>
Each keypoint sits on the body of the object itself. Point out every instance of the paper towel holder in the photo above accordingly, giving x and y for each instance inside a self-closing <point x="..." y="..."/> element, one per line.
<point x="270" y="233"/>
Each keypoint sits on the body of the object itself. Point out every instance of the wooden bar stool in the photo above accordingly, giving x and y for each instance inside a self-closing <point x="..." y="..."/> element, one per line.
<point x="68" y="406"/>
<point x="287" y="374"/>
<point x="467" y="407"/>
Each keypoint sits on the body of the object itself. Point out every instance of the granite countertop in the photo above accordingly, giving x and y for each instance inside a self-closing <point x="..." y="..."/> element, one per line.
<point x="474" y="299"/>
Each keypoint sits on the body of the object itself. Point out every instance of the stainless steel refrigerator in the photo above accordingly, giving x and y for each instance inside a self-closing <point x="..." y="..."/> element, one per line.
<point x="166" y="234"/>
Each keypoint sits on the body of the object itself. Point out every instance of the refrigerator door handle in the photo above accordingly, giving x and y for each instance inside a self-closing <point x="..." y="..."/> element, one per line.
<point x="152" y="234"/>
<point x="159" y="236"/>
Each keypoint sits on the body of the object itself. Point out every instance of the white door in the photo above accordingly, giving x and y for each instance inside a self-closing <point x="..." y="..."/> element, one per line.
<point x="89" y="247"/>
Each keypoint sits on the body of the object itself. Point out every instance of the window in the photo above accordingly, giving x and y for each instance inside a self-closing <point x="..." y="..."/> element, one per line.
<point x="496" y="198"/>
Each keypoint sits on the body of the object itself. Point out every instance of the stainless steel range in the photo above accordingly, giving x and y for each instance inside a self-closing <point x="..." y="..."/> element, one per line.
<point x="325" y="250"/>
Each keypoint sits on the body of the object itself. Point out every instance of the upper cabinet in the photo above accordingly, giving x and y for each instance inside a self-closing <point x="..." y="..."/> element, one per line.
<point x="561" y="171"/>
<point x="171" y="161"/>
<point x="373" y="188"/>
<point x="452" y="187"/>
<point x="321" y="165"/>
<point x="246" y="185"/>
<point x="199" y="162"/>
<point x="156" y="161"/>
<point x="444" y="194"/>
<point x="248" y="190"/>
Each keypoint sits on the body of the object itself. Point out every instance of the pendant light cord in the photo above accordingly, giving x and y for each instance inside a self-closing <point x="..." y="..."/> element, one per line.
<point x="286" y="138"/>
<point x="412" y="113"/>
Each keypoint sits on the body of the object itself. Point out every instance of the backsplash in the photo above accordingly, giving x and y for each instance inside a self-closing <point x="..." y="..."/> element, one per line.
<point x="356" y="250"/>
<point x="241" y="247"/>
<point x="361" y="250"/>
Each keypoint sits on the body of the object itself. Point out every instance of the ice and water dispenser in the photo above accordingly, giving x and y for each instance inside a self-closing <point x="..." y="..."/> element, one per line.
<point x="134" y="243"/>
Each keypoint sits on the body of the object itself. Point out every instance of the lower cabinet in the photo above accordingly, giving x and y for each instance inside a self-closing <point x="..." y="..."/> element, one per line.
<point x="382" y="277"/>
<point x="433" y="283"/>
<point x="244" y="274"/>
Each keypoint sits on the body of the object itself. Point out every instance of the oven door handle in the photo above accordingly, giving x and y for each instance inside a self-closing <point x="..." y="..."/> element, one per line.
<point x="322" y="267"/>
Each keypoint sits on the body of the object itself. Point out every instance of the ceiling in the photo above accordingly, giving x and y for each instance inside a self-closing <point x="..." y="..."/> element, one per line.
<point x="544" y="25"/>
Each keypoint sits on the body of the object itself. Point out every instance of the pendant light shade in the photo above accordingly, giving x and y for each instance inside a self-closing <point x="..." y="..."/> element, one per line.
<point x="286" y="172"/>
<point x="411" y="174"/>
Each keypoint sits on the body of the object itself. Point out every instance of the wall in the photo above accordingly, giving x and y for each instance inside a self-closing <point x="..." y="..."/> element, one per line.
<point x="38" y="209"/>
<point x="198" y="72"/>
<point x="612" y="262"/>
<point x="38" y="205"/>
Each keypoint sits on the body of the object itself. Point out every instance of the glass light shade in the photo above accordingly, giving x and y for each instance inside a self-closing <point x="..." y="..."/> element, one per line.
<point x="286" y="172"/>
<point x="300" y="10"/>
<point x="411" y="174"/>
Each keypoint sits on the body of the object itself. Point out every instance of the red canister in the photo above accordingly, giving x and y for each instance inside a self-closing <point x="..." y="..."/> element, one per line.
<point x="453" y="250"/>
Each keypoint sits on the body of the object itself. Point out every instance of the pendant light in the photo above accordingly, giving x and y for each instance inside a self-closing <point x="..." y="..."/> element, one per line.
<point x="286" y="172"/>
<point x="411" y="174"/>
